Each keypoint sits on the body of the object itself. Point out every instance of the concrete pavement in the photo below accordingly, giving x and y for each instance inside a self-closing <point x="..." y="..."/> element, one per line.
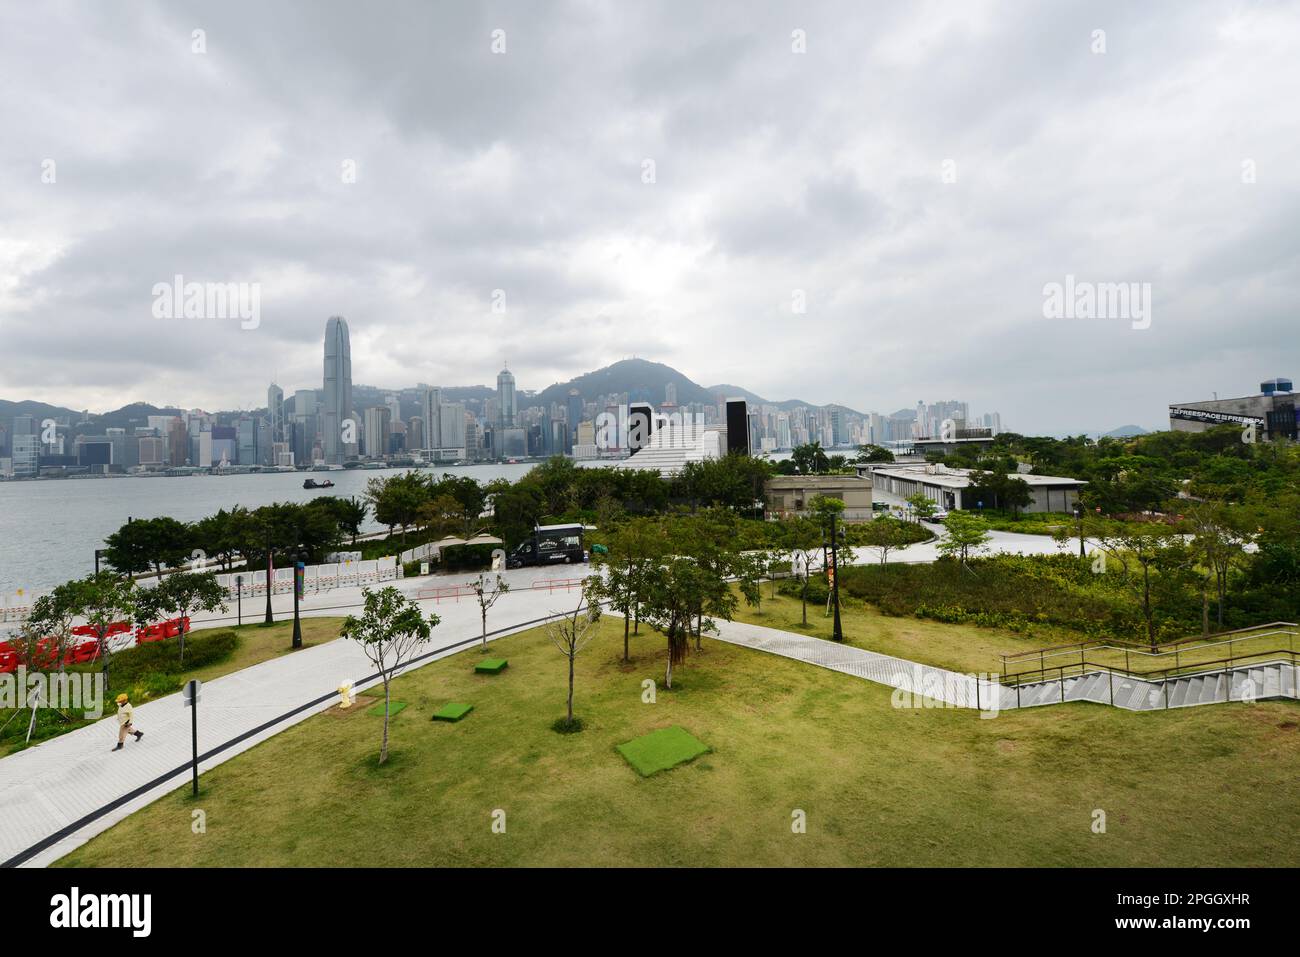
<point x="53" y="794"/>
<point x="59" y="794"/>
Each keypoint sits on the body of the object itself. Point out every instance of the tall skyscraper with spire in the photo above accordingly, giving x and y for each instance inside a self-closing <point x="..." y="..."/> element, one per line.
<point x="506" y="401"/>
<point x="336" y="410"/>
<point x="275" y="412"/>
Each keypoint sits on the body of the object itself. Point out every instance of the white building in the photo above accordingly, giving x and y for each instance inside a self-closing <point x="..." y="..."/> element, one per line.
<point x="949" y="488"/>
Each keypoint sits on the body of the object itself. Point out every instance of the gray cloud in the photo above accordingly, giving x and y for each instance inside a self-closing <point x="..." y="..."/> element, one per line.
<point x="775" y="171"/>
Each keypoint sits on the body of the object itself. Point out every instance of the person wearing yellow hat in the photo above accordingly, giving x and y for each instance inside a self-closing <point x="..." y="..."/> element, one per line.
<point x="125" y="721"/>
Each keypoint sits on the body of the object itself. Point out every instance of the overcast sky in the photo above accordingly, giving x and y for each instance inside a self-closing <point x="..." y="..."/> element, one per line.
<point x="917" y="176"/>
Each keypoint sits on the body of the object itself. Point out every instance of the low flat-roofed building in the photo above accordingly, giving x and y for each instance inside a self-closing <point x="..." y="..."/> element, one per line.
<point x="793" y="494"/>
<point x="950" y="488"/>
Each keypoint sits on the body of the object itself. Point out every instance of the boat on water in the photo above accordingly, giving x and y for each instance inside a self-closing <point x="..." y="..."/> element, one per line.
<point x="312" y="483"/>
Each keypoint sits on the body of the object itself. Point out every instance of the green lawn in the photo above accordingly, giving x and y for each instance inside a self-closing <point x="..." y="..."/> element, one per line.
<point x="879" y="785"/>
<point x="964" y="648"/>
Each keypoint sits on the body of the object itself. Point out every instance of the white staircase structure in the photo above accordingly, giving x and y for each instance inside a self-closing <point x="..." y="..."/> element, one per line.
<point x="1247" y="682"/>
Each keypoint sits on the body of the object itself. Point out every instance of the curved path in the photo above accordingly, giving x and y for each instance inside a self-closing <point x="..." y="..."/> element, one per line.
<point x="57" y="795"/>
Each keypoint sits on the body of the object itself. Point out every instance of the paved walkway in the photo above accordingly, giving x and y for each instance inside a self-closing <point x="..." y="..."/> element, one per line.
<point x="51" y="794"/>
<point x="47" y="789"/>
<point x="951" y="687"/>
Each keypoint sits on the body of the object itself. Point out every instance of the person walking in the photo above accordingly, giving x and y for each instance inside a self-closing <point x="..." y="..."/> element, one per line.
<point x="125" y="721"/>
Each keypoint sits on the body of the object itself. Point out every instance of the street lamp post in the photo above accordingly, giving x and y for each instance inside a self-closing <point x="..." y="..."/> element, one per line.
<point x="299" y="571"/>
<point x="1078" y="513"/>
<point x="837" y="633"/>
<point x="270" y="580"/>
<point x="239" y="599"/>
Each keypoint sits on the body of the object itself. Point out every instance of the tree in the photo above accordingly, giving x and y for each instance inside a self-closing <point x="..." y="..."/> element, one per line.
<point x="801" y="538"/>
<point x="884" y="534"/>
<point x="103" y="600"/>
<point x="443" y="515"/>
<point x="1146" y="547"/>
<point x="632" y="550"/>
<point x="810" y="459"/>
<point x="149" y="544"/>
<point x="679" y="589"/>
<point x="390" y="630"/>
<point x="570" y="635"/>
<point x="397" y="500"/>
<point x="225" y="534"/>
<point x="487" y="591"/>
<point x="966" y="534"/>
<point x="51" y="619"/>
<point x="180" y="595"/>
<point x="349" y="514"/>
<point x="923" y="507"/>
<point x="868" y="454"/>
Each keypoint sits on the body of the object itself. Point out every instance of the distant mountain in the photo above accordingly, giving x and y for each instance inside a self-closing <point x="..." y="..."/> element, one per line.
<point x="1124" y="432"/>
<point x="642" y="380"/>
<point x="80" y="423"/>
<point x="645" y="381"/>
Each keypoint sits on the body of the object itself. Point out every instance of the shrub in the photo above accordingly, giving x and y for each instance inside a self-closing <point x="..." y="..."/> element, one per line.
<point x="202" y="648"/>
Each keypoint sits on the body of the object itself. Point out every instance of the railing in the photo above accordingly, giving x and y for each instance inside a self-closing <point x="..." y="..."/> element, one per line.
<point x="1060" y="673"/>
<point x="466" y="589"/>
<point x="1178" y="650"/>
<point x="1102" y="642"/>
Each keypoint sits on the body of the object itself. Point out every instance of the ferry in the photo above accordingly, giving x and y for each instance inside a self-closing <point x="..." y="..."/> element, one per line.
<point x="313" y="484"/>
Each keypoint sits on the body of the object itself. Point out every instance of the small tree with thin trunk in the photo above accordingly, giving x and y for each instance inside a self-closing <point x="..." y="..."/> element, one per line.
<point x="51" y="619"/>
<point x="802" y="538"/>
<point x="922" y="506"/>
<point x="391" y="630"/>
<point x="183" y="595"/>
<point x="103" y="600"/>
<point x="966" y="535"/>
<point x="487" y="591"/>
<point x="884" y="534"/>
<point x="570" y="635"/>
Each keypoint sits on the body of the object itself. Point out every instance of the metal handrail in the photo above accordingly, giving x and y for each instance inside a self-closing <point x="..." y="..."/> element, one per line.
<point x="1083" y="666"/>
<point x="1101" y="642"/>
<point x="1129" y="651"/>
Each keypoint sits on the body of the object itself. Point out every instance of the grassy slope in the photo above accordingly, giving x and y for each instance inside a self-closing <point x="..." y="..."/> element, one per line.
<point x="881" y="786"/>
<point x="963" y="648"/>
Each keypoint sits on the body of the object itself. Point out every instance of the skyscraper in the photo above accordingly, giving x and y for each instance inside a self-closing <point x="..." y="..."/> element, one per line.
<point x="575" y="416"/>
<point x="275" y="411"/>
<point x="509" y="406"/>
<point x="433" y="418"/>
<point x="337" y="407"/>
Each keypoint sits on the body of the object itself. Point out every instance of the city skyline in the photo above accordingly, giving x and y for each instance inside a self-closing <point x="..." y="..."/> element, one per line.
<point x="843" y="224"/>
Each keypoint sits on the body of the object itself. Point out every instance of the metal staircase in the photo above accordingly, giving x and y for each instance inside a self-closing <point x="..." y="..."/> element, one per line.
<point x="1246" y="665"/>
<point x="1256" y="681"/>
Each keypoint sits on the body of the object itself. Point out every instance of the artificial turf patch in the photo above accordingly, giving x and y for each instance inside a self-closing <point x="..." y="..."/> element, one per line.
<point x="394" y="707"/>
<point x="491" y="666"/>
<point x="452" y="712"/>
<point x="661" y="750"/>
